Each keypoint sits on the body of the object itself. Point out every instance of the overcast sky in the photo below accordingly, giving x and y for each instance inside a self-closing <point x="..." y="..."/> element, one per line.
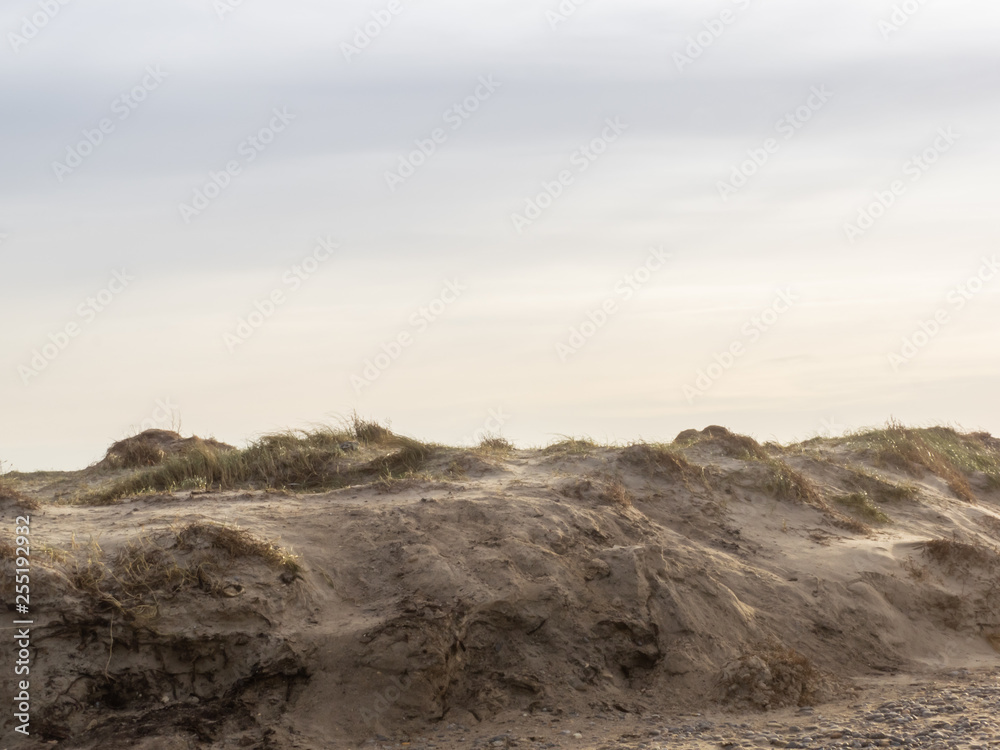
<point x="609" y="219"/>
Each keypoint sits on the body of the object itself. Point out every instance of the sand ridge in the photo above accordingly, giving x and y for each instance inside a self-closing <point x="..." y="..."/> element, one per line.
<point x="713" y="574"/>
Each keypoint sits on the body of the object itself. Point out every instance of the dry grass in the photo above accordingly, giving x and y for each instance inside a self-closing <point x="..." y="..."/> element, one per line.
<point x="303" y="460"/>
<point x="368" y="432"/>
<point x="11" y="493"/>
<point x="7" y="550"/>
<point x="134" y="453"/>
<point x="570" y="446"/>
<point x="151" y="566"/>
<point x="953" y="553"/>
<point x="786" y="483"/>
<point x="617" y="493"/>
<point x="740" y="447"/>
<point x="236" y="543"/>
<point x="880" y="487"/>
<point x="494" y="444"/>
<point x="599" y="488"/>
<point x="657" y="459"/>
<point x="860" y="504"/>
<point x="772" y="676"/>
<point x="942" y="451"/>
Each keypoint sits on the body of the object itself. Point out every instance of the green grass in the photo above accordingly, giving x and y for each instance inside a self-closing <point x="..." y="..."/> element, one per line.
<point x="860" y="504"/>
<point x="302" y="460"/>
<point x="880" y="487"/>
<point x="786" y="483"/>
<point x="571" y="446"/>
<point x="942" y="451"/>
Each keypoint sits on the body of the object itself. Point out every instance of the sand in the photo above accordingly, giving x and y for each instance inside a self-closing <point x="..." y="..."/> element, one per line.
<point x="494" y="590"/>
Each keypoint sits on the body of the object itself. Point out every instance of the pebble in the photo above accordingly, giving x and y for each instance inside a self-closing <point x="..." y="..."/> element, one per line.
<point x="963" y="716"/>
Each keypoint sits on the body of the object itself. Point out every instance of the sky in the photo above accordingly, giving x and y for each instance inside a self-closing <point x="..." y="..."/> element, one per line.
<point x="533" y="218"/>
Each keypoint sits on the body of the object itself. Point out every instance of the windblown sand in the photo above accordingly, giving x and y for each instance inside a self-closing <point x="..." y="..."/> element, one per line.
<point x="495" y="590"/>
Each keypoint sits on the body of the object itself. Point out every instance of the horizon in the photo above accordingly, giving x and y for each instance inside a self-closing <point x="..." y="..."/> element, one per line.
<point x="619" y="221"/>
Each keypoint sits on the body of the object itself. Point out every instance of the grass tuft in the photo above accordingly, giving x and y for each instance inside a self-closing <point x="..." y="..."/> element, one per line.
<point x="148" y="567"/>
<point x="494" y="444"/>
<point x="880" y="487"/>
<point x="741" y="447"/>
<point x="617" y="493"/>
<point x="303" y="460"/>
<point x="942" y="451"/>
<point x="11" y="493"/>
<point x="570" y="446"/>
<point x="368" y="432"/>
<point x="134" y="453"/>
<point x="655" y="458"/>
<point x="860" y="504"/>
<point x="786" y="483"/>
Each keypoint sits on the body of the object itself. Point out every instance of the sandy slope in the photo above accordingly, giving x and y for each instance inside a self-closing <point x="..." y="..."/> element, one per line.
<point x="500" y="588"/>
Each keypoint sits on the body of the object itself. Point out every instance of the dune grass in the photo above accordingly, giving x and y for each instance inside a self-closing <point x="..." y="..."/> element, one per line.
<point x="300" y="460"/>
<point x="879" y="487"/>
<point x="861" y="504"/>
<point x="732" y="445"/>
<point x="494" y="444"/>
<point x="657" y="458"/>
<point x="148" y="566"/>
<point x="11" y="493"/>
<point x="570" y="446"/>
<point x="942" y="451"/>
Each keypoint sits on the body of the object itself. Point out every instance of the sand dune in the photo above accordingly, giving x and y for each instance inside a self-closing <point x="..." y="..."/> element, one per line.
<point x="302" y="594"/>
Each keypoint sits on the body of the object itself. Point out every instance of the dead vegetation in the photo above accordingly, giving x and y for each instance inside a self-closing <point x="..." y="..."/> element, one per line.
<point x="941" y="451"/>
<point x="740" y="447"/>
<point x="11" y="493"/>
<point x="494" y="444"/>
<point x="152" y="448"/>
<point x="953" y="554"/>
<point x="570" y="446"/>
<point x="132" y="581"/>
<point x="772" y="676"/>
<point x="861" y="504"/>
<point x="880" y="488"/>
<point x="302" y="460"/>
<point x="608" y="489"/>
<point x="654" y="459"/>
